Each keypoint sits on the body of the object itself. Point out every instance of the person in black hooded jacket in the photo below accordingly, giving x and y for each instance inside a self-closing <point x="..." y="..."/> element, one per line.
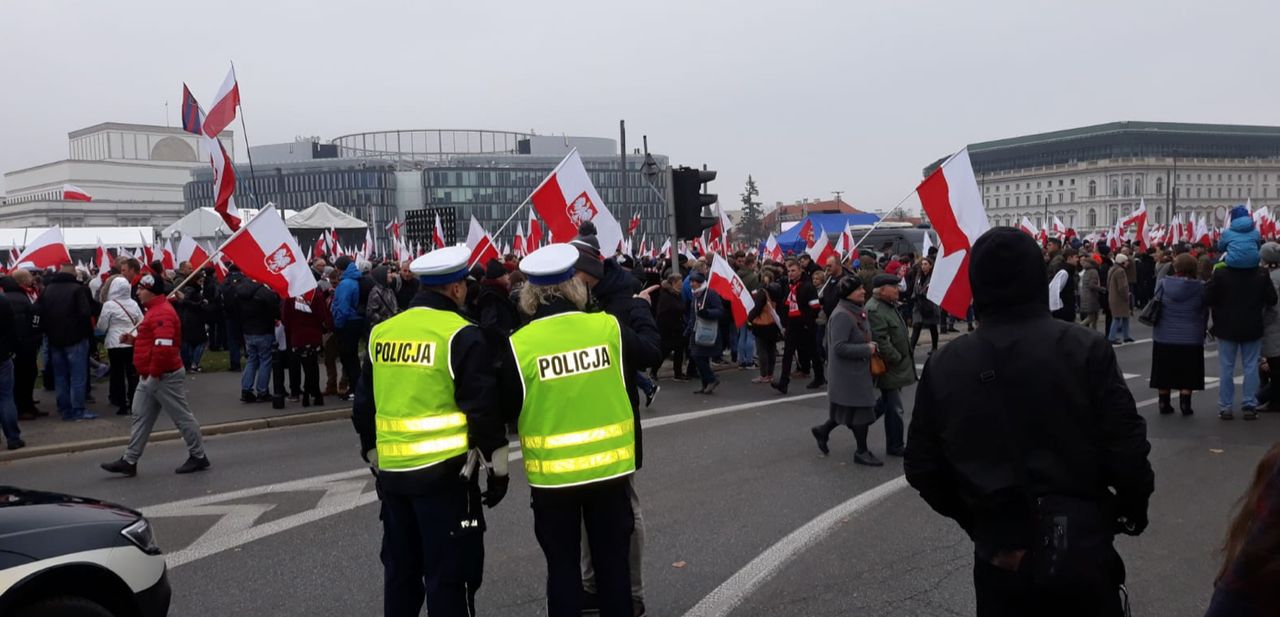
<point x="1026" y="435"/>
<point x="259" y="308"/>
<point x="26" y="345"/>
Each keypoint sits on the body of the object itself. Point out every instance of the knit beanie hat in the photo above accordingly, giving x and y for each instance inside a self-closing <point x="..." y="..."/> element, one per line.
<point x="1240" y="212"/>
<point x="1270" y="253"/>
<point x="1006" y="269"/>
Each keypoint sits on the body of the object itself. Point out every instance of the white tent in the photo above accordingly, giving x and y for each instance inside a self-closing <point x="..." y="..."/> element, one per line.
<point x="324" y="216"/>
<point x="199" y="223"/>
<point x="82" y="237"/>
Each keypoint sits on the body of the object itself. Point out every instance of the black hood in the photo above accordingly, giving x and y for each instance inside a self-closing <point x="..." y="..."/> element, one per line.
<point x="615" y="282"/>
<point x="379" y="275"/>
<point x="7" y="283"/>
<point x="1006" y="271"/>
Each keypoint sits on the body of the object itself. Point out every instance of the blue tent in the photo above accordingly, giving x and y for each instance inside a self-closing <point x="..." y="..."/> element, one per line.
<point x="790" y="239"/>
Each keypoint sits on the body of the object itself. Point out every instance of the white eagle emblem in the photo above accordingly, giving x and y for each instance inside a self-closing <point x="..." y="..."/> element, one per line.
<point x="581" y="209"/>
<point x="280" y="259"/>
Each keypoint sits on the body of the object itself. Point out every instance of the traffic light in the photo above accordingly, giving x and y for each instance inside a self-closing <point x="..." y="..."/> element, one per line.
<point x="689" y="201"/>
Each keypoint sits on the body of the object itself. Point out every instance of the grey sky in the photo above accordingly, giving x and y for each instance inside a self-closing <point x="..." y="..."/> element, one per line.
<point x="806" y="96"/>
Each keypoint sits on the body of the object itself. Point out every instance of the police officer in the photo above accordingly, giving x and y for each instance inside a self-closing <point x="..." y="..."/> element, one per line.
<point x="1027" y="436"/>
<point x="566" y="380"/>
<point x="428" y="417"/>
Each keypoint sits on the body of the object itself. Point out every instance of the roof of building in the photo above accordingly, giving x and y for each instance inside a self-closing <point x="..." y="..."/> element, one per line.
<point x="143" y="128"/>
<point x="1124" y="139"/>
<point x="800" y="209"/>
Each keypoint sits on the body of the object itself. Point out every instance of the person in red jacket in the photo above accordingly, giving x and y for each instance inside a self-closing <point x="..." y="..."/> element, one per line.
<point x="304" y="326"/>
<point x="162" y="382"/>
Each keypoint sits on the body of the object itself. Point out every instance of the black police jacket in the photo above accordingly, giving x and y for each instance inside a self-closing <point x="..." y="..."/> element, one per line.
<point x="1028" y="407"/>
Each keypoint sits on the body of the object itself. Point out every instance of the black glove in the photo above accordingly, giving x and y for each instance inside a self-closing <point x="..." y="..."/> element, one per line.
<point x="495" y="488"/>
<point x="1132" y="524"/>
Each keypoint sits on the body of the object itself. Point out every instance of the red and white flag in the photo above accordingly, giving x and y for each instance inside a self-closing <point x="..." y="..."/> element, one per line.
<point x="437" y="234"/>
<point x="517" y="243"/>
<point x="1059" y="230"/>
<point x="191" y="252"/>
<point x="806" y="233"/>
<point x="368" y="243"/>
<point x="224" y="182"/>
<point x="1202" y="235"/>
<point x="1139" y="219"/>
<point x="71" y="192"/>
<point x="566" y="199"/>
<point x="822" y="250"/>
<point x="951" y="199"/>
<point x="666" y="247"/>
<point x="1028" y="227"/>
<point x="634" y="224"/>
<point x="771" y="248"/>
<point x="481" y="245"/>
<point x="223" y="112"/>
<point x="166" y="257"/>
<point x="723" y="280"/>
<point x="533" y="239"/>
<point x="48" y="250"/>
<point x="266" y="252"/>
<point x="102" y="257"/>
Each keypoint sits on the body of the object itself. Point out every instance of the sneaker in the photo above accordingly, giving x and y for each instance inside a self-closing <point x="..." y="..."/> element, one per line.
<point x="761" y="380"/>
<point x="1226" y="414"/>
<point x="306" y="400"/>
<point x="263" y="398"/>
<point x="822" y="442"/>
<point x="711" y="387"/>
<point x="590" y="603"/>
<point x="124" y="411"/>
<point x="649" y="395"/>
<point x="88" y="415"/>
<point x="102" y="370"/>
<point x="637" y="608"/>
<point x="16" y="443"/>
<point x="1249" y="413"/>
<point x="246" y="396"/>
<point x="122" y="467"/>
<point x="193" y="464"/>
<point x="1128" y="340"/>
<point x="868" y="459"/>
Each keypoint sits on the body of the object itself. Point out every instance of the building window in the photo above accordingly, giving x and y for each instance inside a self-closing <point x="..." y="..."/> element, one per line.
<point x="1006" y="202"/>
<point x="1093" y="215"/>
<point x="1017" y="201"/>
<point x="1093" y="188"/>
<point x="1115" y="187"/>
<point x="1219" y="191"/>
<point x="1137" y="186"/>
<point x="1115" y="215"/>
<point x="1199" y="192"/>
<point x="1159" y="186"/>
<point x="1073" y="196"/>
<point x="1128" y="187"/>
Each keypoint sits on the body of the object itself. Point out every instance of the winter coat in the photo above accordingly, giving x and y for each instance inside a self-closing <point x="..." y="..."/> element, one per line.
<point x="923" y="311"/>
<point x="889" y="332"/>
<point x="750" y="278"/>
<point x="496" y="310"/>
<point x="305" y="328"/>
<point x="670" y="314"/>
<point x="346" y="298"/>
<point x="1118" y="292"/>
<point x="259" y="308"/>
<point x="1237" y="299"/>
<point x="1090" y="287"/>
<point x="1271" y="322"/>
<point x="193" y="311"/>
<point x="706" y="305"/>
<point x="213" y="310"/>
<point x="1240" y="241"/>
<point x="407" y="290"/>
<point x="227" y="294"/>
<point x="24" y="311"/>
<point x="155" y="349"/>
<point x="1144" y="284"/>
<point x="66" y="310"/>
<point x="849" y="380"/>
<point x="1182" y="311"/>
<point x="768" y="333"/>
<point x="120" y="313"/>
<point x="382" y="304"/>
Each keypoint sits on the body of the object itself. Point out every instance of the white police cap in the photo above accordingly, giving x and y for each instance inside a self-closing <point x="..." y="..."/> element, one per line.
<point x="551" y="264"/>
<point x="442" y="266"/>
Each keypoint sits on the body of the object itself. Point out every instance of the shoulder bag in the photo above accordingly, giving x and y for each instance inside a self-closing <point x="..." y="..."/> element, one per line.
<point x="878" y="366"/>
<point x="705" y="331"/>
<point x="1150" y="314"/>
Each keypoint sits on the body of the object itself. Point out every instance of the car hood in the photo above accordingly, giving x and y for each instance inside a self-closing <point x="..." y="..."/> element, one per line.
<point x="42" y="524"/>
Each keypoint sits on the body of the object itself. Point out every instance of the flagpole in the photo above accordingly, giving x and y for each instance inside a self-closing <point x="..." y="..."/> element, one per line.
<point x="244" y="130"/>
<point x="902" y="201"/>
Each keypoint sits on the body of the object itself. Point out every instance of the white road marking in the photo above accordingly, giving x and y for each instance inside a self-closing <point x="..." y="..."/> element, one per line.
<point x="731" y="593"/>
<point x="343" y="491"/>
<point x="1128" y="376"/>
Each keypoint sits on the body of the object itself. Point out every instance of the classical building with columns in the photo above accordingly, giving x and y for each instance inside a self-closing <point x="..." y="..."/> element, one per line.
<point x="1089" y="177"/>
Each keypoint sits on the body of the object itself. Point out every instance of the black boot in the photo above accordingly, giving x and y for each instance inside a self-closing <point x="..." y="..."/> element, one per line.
<point x="122" y="467"/>
<point x="277" y="402"/>
<point x="193" y="464"/>
<point x="1166" y="404"/>
<point x="1184" y="401"/>
<point x="306" y="400"/>
<point x="246" y="396"/>
<point x="821" y="436"/>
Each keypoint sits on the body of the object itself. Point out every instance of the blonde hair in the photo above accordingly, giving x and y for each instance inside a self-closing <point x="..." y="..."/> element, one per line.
<point x="573" y="290"/>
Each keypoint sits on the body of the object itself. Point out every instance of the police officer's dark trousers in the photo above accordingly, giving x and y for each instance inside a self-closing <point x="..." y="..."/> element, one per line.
<point x="432" y="546"/>
<point x="559" y="516"/>
<point x="1002" y="593"/>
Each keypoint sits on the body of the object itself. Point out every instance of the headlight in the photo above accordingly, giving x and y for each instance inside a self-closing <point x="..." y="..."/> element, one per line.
<point x="139" y="533"/>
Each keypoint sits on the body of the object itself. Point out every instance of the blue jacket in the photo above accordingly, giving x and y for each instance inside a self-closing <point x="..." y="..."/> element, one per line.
<point x="346" y="299"/>
<point x="1240" y="241"/>
<point x="1182" y="316"/>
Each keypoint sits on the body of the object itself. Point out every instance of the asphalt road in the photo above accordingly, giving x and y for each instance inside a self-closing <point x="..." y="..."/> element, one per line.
<point x="742" y="516"/>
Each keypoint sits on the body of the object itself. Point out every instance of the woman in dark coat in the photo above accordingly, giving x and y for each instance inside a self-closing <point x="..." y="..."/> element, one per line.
<point x="924" y="313"/>
<point x="708" y="308"/>
<point x="765" y="325"/>
<point x="669" y="312"/>
<point x="1177" y="348"/>
<point x="193" y="311"/>
<point x="851" y="393"/>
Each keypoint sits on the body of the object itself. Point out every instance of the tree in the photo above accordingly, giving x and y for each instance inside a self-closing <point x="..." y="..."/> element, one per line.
<point x="751" y="226"/>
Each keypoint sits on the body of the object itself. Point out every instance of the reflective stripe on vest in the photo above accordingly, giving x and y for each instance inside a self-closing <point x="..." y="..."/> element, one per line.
<point x="576" y="424"/>
<point x="418" y="422"/>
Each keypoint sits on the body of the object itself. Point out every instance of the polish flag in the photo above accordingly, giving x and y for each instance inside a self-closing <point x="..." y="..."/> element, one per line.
<point x="368" y="243"/>
<point x="191" y="252"/>
<point x="1202" y="232"/>
<point x="1117" y="235"/>
<point x="1139" y="219"/>
<point x="822" y="250"/>
<point x="481" y="245"/>
<point x="806" y="233"/>
<point x="102" y="257"/>
<point x="1059" y="230"/>
<point x="724" y="281"/>
<point x="48" y="250"/>
<point x="71" y="192"/>
<point x="223" y="112"/>
<point x="224" y="182"/>
<point x="319" y="249"/>
<point x="166" y="257"/>
<point x="533" y="239"/>
<point x="666" y="247"/>
<point x="334" y="248"/>
<point x="772" y="249"/>
<point x="266" y="252"/>
<point x="437" y="234"/>
<point x="518" y="241"/>
<point x="1028" y="227"/>
<point x="951" y="199"/>
<point x="634" y="224"/>
<point x="926" y="245"/>
<point x="146" y="253"/>
<point x="566" y="199"/>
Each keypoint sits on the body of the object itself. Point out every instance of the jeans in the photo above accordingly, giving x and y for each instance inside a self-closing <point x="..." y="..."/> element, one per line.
<point x="703" y="364"/>
<point x="70" y="377"/>
<point x="1119" y="329"/>
<point x="8" y="411"/>
<point x="746" y="346"/>
<point x="166" y="392"/>
<point x="191" y="354"/>
<point x="258" y="347"/>
<point x="1249" y="352"/>
<point x="646" y="385"/>
<point x="425" y="557"/>
<point x="233" y="344"/>
<point x="890" y="406"/>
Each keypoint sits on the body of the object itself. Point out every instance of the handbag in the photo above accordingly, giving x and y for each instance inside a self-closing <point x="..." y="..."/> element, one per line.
<point x="1150" y="314"/>
<point x="705" y="331"/>
<point x="878" y="366"/>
